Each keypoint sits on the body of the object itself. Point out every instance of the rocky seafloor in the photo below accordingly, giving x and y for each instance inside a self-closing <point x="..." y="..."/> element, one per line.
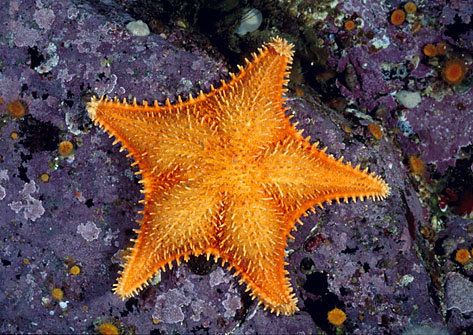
<point x="362" y="84"/>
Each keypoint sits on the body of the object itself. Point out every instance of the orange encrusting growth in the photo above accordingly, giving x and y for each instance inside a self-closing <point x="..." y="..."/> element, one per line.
<point x="430" y="50"/>
<point x="16" y="108"/>
<point x="462" y="256"/>
<point x="227" y="174"/>
<point x="375" y="130"/>
<point x="398" y="17"/>
<point x="107" y="329"/>
<point x="410" y="7"/>
<point x="349" y="25"/>
<point x="44" y="177"/>
<point x="336" y="316"/>
<point x="417" y="165"/>
<point x="65" y="148"/>
<point x="57" y="294"/>
<point x="75" y="270"/>
<point x="454" y="71"/>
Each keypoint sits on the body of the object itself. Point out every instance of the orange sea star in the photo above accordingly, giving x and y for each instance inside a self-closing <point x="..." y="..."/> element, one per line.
<point x="226" y="174"/>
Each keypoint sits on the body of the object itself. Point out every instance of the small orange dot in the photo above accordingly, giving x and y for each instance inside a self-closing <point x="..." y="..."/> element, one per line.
<point x="14" y="135"/>
<point x="16" y="109"/>
<point x="26" y="261"/>
<point x="462" y="256"/>
<point x="454" y="71"/>
<point x="375" y="130"/>
<point x="430" y="50"/>
<point x="57" y="294"/>
<point x="44" y="177"/>
<point x="441" y="48"/>
<point x="65" y="148"/>
<point x="417" y="165"/>
<point x="410" y="7"/>
<point x="75" y="270"/>
<point x="336" y="316"/>
<point x="398" y="17"/>
<point x="350" y="25"/>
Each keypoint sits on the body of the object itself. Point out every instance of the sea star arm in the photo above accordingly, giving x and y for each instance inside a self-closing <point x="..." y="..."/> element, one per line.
<point x="300" y="176"/>
<point x="252" y="239"/>
<point x="176" y="223"/>
<point x="247" y="114"/>
<point x="160" y="138"/>
<point x="250" y="107"/>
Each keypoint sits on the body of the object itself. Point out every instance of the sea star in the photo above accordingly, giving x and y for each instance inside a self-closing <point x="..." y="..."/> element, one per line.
<point x="226" y="174"/>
